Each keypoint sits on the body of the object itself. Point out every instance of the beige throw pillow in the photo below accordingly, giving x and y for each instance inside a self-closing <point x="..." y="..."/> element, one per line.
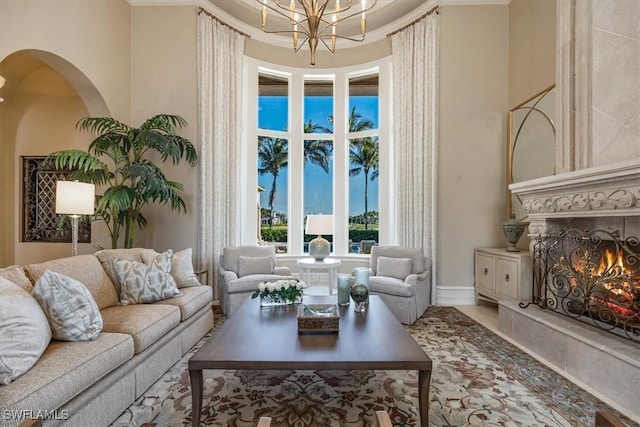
<point x="70" y="308"/>
<point x="146" y="283"/>
<point x="24" y="331"/>
<point x="15" y="274"/>
<point x="398" y="268"/>
<point x="248" y="265"/>
<point x="181" y="267"/>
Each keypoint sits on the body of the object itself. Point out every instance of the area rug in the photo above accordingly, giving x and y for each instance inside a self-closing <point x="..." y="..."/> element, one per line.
<point x="478" y="379"/>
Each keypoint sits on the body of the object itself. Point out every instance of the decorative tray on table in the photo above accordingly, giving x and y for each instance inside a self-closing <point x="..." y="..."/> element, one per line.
<point x="318" y="318"/>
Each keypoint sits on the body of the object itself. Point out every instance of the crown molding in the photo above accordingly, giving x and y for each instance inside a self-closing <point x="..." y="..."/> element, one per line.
<point x="285" y="41"/>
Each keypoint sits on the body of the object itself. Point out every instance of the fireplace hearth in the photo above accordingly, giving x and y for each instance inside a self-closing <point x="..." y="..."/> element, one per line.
<point x="590" y="276"/>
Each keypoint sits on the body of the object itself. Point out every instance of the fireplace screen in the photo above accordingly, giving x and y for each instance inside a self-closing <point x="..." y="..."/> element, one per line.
<point x="592" y="276"/>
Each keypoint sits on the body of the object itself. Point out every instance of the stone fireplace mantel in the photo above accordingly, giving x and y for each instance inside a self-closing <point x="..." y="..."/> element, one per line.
<point x="611" y="190"/>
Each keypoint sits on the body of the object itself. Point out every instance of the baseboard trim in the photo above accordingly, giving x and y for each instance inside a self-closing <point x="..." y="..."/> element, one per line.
<point x="455" y="295"/>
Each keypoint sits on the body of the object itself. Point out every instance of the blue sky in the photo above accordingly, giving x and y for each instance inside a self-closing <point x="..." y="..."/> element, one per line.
<point x="318" y="192"/>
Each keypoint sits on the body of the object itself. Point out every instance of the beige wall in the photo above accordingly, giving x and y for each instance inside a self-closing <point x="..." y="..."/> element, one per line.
<point x="532" y="48"/>
<point x="164" y="80"/>
<point x="532" y="67"/>
<point x="87" y="43"/>
<point x="473" y="105"/>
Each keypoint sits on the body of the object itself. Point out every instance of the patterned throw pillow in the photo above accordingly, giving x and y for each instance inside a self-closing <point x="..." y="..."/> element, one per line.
<point x="24" y="331"/>
<point x="146" y="283"/>
<point x="70" y="308"/>
<point x="181" y="267"/>
<point x="399" y="268"/>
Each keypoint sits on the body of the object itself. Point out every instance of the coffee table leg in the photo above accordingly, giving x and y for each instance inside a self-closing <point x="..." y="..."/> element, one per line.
<point x="196" y="395"/>
<point x="424" y="378"/>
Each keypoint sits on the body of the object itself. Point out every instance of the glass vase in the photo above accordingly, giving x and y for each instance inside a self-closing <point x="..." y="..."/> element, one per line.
<point x="276" y="299"/>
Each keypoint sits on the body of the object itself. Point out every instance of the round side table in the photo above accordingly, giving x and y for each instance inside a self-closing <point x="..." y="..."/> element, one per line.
<point x="306" y="265"/>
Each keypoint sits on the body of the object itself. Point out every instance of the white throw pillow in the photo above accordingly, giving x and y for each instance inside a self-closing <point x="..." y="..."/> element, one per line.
<point x="399" y="268"/>
<point x="181" y="267"/>
<point x="146" y="283"/>
<point x="24" y="331"/>
<point x="248" y="265"/>
<point x="70" y="308"/>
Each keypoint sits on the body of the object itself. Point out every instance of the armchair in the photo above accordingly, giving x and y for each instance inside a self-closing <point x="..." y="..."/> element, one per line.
<point x="242" y="268"/>
<point x="402" y="279"/>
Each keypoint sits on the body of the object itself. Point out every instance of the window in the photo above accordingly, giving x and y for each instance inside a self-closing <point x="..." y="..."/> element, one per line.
<point x="320" y="146"/>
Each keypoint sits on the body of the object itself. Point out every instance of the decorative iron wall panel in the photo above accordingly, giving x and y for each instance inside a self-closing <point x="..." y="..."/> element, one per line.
<point x="39" y="218"/>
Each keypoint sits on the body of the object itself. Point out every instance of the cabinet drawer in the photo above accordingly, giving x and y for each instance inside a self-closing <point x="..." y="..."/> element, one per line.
<point x="507" y="277"/>
<point x="485" y="271"/>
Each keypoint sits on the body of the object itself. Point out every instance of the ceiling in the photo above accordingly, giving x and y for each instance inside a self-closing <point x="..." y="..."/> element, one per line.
<point x="385" y="17"/>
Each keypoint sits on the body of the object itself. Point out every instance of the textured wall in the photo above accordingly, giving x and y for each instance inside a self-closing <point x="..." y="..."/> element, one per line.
<point x="616" y="80"/>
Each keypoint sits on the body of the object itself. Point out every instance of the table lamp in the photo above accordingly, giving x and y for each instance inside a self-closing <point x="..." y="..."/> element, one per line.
<point x="75" y="198"/>
<point x="319" y="224"/>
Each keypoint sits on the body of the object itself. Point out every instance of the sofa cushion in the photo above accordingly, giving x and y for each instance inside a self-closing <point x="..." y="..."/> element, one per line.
<point x="146" y="323"/>
<point x="107" y="256"/>
<point x="398" y="268"/>
<point x="15" y="274"/>
<point x="24" y="331"/>
<point x="84" y="268"/>
<point x="249" y="265"/>
<point x="391" y="286"/>
<point x="181" y="266"/>
<point x="71" y="310"/>
<point x="146" y="283"/>
<point x="192" y="299"/>
<point x="65" y="370"/>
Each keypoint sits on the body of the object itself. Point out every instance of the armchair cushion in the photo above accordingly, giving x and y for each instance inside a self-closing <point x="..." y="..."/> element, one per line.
<point x="391" y="286"/>
<point x="416" y="255"/>
<point x="231" y="255"/>
<point x="248" y="265"/>
<point x="398" y="268"/>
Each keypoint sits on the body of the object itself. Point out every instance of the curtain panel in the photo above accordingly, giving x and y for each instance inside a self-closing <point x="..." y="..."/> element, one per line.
<point x="415" y="136"/>
<point x="220" y="55"/>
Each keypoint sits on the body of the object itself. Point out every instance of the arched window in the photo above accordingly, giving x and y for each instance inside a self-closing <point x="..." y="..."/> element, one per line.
<point x="317" y="142"/>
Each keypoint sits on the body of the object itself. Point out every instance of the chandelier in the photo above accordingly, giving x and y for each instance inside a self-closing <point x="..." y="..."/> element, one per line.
<point x="313" y="21"/>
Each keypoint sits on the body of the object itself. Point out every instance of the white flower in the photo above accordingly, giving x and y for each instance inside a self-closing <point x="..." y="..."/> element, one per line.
<point x="262" y="286"/>
<point x="271" y="286"/>
<point x="278" y="285"/>
<point x="301" y="285"/>
<point x="285" y="284"/>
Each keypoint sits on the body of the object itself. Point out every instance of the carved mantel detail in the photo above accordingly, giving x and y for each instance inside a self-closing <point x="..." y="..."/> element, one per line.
<point x="612" y="190"/>
<point x="585" y="201"/>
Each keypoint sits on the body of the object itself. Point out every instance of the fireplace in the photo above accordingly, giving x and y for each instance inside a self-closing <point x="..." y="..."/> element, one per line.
<point x="590" y="276"/>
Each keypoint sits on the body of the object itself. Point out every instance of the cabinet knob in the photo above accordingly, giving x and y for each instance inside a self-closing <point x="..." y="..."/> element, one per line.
<point x="506" y="277"/>
<point x="486" y="271"/>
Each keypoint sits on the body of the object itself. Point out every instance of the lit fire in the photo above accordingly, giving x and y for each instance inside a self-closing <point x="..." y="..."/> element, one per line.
<point x="619" y="289"/>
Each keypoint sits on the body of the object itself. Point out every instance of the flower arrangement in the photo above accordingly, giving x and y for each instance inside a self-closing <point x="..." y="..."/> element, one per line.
<point x="286" y="291"/>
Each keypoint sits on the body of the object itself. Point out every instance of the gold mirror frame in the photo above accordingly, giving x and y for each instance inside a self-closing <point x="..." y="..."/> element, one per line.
<point x="530" y="105"/>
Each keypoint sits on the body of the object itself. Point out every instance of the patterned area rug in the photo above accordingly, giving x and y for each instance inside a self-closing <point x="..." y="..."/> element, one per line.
<point x="478" y="379"/>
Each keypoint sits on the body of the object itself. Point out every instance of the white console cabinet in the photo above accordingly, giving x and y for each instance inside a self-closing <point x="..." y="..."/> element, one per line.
<point x="502" y="275"/>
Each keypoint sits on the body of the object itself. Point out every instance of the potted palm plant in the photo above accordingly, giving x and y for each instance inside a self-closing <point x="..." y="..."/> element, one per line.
<point x="130" y="178"/>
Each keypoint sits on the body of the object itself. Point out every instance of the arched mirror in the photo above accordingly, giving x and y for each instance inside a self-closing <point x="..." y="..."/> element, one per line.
<point x="531" y="149"/>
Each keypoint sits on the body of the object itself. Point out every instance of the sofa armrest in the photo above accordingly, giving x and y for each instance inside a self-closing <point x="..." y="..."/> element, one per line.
<point x="282" y="271"/>
<point x="227" y="275"/>
<point x="413" y="278"/>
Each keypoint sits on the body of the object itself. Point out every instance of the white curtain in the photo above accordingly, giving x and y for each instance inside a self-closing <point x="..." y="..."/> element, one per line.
<point x="415" y="135"/>
<point x="220" y="53"/>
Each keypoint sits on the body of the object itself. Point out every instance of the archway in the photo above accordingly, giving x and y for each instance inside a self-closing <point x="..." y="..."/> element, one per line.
<point x="45" y="95"/>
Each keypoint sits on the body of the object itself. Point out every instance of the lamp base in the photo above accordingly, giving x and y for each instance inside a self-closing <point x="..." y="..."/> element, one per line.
<point x="319" y="248"/>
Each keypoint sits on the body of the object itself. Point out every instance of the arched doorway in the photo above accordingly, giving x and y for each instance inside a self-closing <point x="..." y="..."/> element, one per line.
<point x="44" y="97"/>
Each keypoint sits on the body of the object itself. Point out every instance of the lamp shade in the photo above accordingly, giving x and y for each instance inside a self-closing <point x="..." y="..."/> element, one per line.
<point x="319" y="224"/>
<point x="75" y="198"/>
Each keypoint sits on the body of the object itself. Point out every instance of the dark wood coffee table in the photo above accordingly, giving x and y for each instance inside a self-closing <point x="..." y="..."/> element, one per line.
<point x="267" y="339"/>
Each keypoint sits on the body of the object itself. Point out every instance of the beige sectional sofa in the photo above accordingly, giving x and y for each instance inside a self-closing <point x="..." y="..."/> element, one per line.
<point x="90" y="383"/>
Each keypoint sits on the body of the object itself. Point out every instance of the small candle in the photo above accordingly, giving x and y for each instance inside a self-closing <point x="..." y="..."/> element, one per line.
<point x="361" y="275"/>
<point x="343" y="289"/>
